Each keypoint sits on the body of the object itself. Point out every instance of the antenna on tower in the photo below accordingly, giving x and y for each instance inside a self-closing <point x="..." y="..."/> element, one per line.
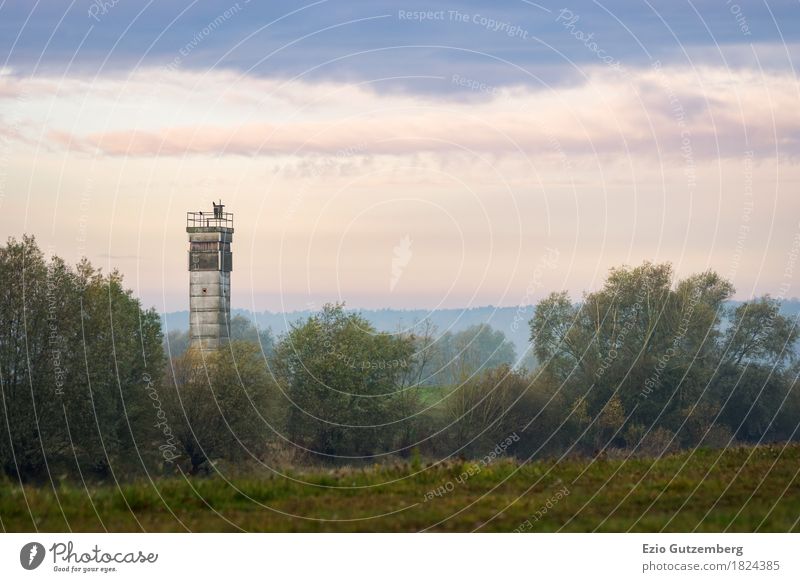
<point x="218" y="208"/>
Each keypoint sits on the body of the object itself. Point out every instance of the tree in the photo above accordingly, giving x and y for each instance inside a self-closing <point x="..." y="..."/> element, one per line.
<point x="241" y="328"/>
<point x="76" y="349"/>
<point x="464" y="354"/>
<point x="109" y="409"/>
<point x="758" y="334"/>
<point x="609" y="423"/>
<point x="646" y="348"/>
<point x="176" y="342"/>
<point x="344" y="383"/>
<point x="35" y="366"/>
<point x="555" y="341"/>
<point x="754" y="380"/>
<point x="415" y="375"/>
<point x="485" y="409"/>
<point x="224" y="404"/>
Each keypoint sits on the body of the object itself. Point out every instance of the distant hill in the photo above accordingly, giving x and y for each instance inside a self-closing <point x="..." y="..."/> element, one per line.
<point x="512" y="321"/>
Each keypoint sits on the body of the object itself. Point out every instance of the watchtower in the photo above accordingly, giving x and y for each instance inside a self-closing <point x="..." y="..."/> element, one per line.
<point x="210" y="266"/>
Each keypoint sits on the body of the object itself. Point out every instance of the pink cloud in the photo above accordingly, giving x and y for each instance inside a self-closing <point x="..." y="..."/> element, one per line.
<point x="646" y="112"/>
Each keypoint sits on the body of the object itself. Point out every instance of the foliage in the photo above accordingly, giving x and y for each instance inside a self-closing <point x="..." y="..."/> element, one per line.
<point x="221" y="404"/>
<point x="343" y="381"/>
<point x="486" y="409"/>
<point x="241" y="328"/>
<point x="644" y="356"/>
<point x="459" y="356"/>
<point x="642" y="367"/>
<point x="77" y="354"/>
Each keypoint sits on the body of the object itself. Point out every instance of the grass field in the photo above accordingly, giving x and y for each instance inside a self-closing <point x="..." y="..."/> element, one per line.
<point x="740" y="489"/>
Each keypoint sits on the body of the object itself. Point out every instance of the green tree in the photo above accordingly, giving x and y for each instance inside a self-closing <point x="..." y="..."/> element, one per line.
<point x="75" y="349"/>
<point x="486" y="409"/>
<point x="344" y="381"/>
<point x="241" y="328"/>
<point x="638" y="345"/>
<point x="110" y="413"/>
<point x="223" y="404"/>
<point x="463" y="354"/>
<point x="755" y="380"/>
<point x="759" y="334"/>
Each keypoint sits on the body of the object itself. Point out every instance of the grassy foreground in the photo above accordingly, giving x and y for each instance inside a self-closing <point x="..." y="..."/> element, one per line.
<point x="740" y="489"/>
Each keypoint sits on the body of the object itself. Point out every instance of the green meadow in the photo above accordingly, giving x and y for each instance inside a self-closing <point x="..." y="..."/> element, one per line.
<point x="743" y="489"/>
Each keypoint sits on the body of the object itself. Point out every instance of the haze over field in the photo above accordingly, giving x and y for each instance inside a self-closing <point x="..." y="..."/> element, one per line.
<point x="512" y="321"/>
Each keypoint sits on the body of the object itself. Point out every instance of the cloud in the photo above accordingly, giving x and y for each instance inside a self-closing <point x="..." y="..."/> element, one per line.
<point x="667" y="112"/>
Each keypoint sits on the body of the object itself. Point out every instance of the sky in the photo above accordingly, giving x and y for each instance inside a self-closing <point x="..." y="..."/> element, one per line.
<point x="406" y="154"/>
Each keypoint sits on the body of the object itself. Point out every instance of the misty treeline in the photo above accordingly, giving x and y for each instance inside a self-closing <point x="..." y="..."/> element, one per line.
<point x="92" y="389"/>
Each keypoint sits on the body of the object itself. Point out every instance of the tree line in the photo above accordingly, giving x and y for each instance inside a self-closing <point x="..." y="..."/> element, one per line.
<point x="91" y="388"/>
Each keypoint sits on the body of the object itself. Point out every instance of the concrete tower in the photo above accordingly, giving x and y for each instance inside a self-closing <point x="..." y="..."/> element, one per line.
<point x="210" y="266"/>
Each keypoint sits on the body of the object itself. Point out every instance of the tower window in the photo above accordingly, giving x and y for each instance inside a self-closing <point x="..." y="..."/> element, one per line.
<point x="209" y="246"/>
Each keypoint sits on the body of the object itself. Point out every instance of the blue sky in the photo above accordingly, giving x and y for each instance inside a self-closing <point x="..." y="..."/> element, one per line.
<point x="479" y="138"/>
<point x="106" y="36"/>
